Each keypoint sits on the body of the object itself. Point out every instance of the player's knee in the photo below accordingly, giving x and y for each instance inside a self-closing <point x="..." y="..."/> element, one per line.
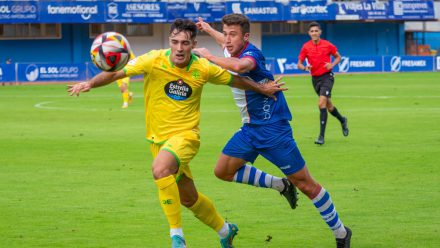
<point x="220" y="173"/>
<point x="161" y="172"/>
<point x="188" y="201"/>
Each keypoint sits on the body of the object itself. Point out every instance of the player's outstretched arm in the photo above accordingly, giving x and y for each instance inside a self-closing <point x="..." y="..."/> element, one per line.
<point x="232" y="64"/>
<point x="99" y="80"/>
<point x="269" y="89"/>
<point x="204" y="26"/>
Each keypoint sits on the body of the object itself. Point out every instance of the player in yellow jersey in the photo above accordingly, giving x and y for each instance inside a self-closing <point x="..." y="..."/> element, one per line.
<point x="123" y="84"/>
<point x="173" y="83"/>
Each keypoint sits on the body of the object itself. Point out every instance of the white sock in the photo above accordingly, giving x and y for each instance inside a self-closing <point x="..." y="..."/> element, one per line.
<point x="340" y="233"/>
<point x="223" y="232"/>
<point x="176" y="231"/>
<point x="277" y="184"/>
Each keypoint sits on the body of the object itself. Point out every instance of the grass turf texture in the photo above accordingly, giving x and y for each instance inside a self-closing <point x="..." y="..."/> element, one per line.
<point x="75" y="172"/>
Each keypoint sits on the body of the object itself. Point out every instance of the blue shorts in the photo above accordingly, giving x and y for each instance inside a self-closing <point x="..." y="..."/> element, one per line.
<point x="274" y="142"/>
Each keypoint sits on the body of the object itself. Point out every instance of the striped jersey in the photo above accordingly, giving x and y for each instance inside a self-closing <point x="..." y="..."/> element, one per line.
<point x="256" y="108"/>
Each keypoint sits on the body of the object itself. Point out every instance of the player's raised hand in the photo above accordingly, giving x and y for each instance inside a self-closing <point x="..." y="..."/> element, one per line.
<point x="203" y="52"/>
<point x="75" y="89"/>
<point x="272" y="87"/>
<point x="202" y="25"/>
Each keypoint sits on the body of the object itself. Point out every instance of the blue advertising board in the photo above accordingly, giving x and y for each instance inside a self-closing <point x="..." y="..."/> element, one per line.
<point x="408" y="63"/>
<point x="147" y="12"/>
<point x="438" y="63"/>
<point x="257" y="11"/>
<point x="138" y="11"/>
<point x="313" y="10"/>
<point x="28" y="72"/>
<point x="287" y="66"/>
<point x="19" y="11"/>
<point x="71" y="11"/>
<point x="362" y="10"/>
<point x="7" y="72"/>
<point x="359" y="64"/>
<point x="210" y="12"/>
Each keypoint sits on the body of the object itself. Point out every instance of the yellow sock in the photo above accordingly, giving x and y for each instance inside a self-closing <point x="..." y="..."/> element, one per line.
<point x="205" y="211"/>
<point x="170" y="200"/>
<point x="125" y="97"/>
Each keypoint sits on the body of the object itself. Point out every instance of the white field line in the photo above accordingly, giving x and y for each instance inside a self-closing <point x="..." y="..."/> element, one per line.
<point x="46" y="106"/>
<point x="230" y="96"/>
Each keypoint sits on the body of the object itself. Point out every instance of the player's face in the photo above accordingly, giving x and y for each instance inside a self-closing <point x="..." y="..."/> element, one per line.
<point x="315" y="33"/>
<point x="234" y="38"/>
<point x="181" y="46"/>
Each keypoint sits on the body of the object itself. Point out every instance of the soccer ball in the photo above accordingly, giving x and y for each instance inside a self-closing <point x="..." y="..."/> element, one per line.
<point x="110" y="51"/>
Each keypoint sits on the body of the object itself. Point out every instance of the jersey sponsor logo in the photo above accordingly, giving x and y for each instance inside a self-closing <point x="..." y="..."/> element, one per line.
<point x="178" y="90"/>
<point x="32" y="72"/>
<point x="195" y="74"/>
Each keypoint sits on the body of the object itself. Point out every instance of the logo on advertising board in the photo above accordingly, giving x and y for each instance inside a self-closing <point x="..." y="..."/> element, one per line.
<point x="85" y="11"/>
<point x="196" y="7"/>
<point x="287" y="66"/>
<point x="353" y="64"/>
<point x="304" y="9"/>
<point x="281" y="64"/>
<point x="236" y="8"/>
<point x="32" y="72"/>
<point x="112" y="10"/>
<point x="344" y="65"/>
<point x="395" y="63"/>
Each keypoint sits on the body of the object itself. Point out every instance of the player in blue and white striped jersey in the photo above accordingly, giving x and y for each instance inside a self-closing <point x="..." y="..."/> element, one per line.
<point x="266" y="129"/>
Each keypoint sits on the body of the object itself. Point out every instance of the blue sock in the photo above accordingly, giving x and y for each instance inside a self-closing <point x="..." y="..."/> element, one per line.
<point x="328" y="212"/>
<point x="248" y="174"/>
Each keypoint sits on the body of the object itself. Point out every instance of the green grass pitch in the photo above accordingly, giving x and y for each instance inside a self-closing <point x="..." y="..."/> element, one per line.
<point x="75" y="172"/>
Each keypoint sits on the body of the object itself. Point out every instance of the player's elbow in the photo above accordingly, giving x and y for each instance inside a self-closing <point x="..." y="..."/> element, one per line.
<point x="238" y="68"/>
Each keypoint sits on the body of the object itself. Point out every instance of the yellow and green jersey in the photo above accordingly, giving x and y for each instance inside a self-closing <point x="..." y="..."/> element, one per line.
<point x="172" y="94"/>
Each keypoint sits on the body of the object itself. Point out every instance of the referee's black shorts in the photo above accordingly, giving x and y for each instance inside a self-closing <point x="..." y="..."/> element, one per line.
<point x="323" y="84"/>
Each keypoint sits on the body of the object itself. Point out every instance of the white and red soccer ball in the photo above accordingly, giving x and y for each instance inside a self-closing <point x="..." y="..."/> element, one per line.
<point x="110" y="51"/>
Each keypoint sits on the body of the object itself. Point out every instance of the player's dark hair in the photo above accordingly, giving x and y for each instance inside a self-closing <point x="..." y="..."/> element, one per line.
<point x="314" y="24"/>
<point x="237" y="19"/>
<point x="184" y="25"/>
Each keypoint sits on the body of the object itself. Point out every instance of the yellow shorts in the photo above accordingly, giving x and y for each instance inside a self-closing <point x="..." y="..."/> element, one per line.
<point x="125" y="80"/>
<point x="184" y="146"/>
